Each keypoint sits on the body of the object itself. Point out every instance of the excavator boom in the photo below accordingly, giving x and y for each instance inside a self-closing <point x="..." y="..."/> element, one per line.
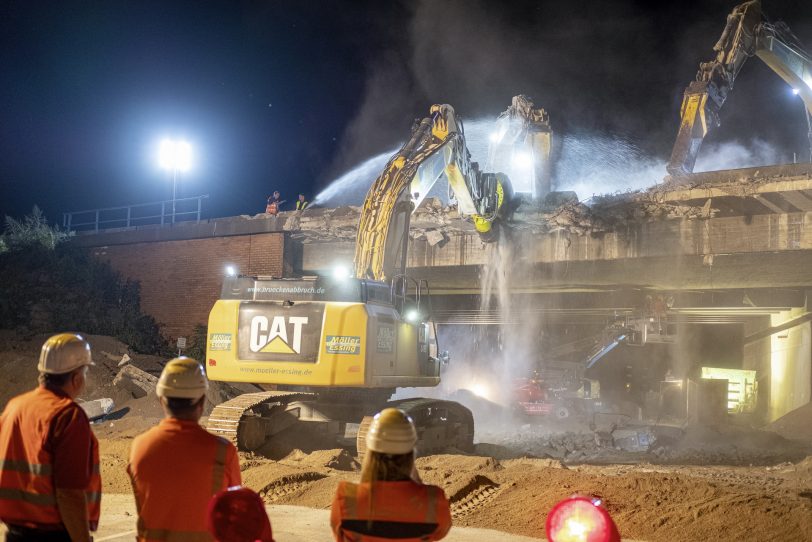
<point x="435" y="149"/>
<point x="747" y="33"/>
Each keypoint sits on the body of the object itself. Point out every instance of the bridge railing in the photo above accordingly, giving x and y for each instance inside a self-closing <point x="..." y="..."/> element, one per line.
<point x="158" y="212"/>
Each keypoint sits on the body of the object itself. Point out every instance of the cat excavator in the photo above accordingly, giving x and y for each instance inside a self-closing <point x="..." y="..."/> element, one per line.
<point x="747" y="33"/>
<point x="332" y="350"/>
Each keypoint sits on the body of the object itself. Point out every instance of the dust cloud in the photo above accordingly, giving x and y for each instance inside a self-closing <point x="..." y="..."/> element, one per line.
<point x="587" y="164"/>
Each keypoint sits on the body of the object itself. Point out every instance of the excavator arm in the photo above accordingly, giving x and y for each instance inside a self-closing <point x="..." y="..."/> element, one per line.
<point x="747" y="33"/>
<point x="436" y="149"/>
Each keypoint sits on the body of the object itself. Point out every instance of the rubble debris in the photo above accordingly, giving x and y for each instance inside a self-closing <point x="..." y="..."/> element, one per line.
<point x="125" y="359"/>
<point x="435" y="237"/>
<point x="98" y="408"/>
<point x="110" y="356"/>
<point x="132" y="379"/>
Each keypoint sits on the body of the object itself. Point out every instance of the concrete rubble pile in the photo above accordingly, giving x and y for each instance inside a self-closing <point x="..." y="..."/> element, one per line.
<point x="435" y="222"/>
<point x="137" y="382"/>
<point x="690" y="197"/>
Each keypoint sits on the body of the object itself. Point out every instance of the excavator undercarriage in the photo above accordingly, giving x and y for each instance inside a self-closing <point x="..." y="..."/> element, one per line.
<point x="249" y="420"/>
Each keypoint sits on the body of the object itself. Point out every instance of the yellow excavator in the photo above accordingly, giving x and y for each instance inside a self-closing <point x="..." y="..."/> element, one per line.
<point x="335" y="348"/>
<point x="747" y="33"/>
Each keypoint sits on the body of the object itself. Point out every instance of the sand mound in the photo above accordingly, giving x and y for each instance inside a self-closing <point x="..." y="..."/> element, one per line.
<point x="797" y="425"/>
<point x="337" y="459"/>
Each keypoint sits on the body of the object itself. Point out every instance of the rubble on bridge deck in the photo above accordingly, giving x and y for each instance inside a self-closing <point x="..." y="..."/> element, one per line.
<point x="744" y="192"/>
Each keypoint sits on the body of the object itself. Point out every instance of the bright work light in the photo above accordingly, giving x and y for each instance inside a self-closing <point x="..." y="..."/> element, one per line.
<point x="523" y="160"/>
<point x="175" y="155"/>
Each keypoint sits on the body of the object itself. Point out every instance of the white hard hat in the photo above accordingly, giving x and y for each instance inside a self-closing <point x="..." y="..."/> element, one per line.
<point x="182" y="378"/>
<point x="392" y="432"/>
<point x="64" y="353"/>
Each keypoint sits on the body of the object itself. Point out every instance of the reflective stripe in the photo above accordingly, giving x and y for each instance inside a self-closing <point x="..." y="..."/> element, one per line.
<point x="96" y="469"/>
<point x="431" y="511"/>
<point x="219" y="469"/>
<point x="24" y="466"/>
<point x="175" y="536"/>
<point x="14" y="494"/>
<point x="93" y="496"/>
<point x="351" y="499"/>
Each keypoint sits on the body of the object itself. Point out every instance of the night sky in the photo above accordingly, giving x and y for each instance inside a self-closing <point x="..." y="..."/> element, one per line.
<point x="289" y="94"/>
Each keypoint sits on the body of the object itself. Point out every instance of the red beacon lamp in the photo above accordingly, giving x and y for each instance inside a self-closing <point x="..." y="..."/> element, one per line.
<point x="238" y="515"/>
<point x="580" y="519"/>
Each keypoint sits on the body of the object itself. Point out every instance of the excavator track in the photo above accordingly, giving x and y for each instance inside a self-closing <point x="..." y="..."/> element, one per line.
<point x="244" y="419"/>
<point x="249" y="420"/>
<point x="441" y="425"/>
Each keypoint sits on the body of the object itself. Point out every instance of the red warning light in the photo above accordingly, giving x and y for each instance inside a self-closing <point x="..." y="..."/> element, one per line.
<point x="212" y="362"/>
<point x="580" y="519"/>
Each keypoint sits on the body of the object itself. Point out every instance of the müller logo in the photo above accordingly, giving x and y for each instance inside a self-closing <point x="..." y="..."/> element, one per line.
<point x="279" y="336"/>
<point x="342" y="344"/>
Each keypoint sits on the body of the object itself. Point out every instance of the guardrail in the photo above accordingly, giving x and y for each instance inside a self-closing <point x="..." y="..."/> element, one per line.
<point x="158" y="212"/>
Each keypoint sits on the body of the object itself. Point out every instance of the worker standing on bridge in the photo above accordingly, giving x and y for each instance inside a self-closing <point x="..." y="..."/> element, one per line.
<point x="302" y="203"/>
<point x="390" y="503"/>
<point x="177" y="466"/>
<point x="274" y="203"/>
<point x="50" y="488"/>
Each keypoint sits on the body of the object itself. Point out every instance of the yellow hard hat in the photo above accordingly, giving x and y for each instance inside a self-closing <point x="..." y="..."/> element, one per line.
<point x="182" y="378"/>
<point x="64" y="353"/>
<point x="392" y="432"/>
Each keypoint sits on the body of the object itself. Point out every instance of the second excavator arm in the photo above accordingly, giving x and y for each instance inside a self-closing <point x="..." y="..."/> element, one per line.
<point x="436" y="148"/>
<point x="746" y="33"/>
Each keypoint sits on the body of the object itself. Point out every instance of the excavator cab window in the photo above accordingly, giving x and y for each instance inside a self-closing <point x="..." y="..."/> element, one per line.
<point x="410" y="296"/>
<point x="377" y="292"/>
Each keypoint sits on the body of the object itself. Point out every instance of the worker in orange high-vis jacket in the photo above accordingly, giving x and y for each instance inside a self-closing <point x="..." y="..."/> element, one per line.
<point x="390" y="503"/>
<point x="50" y="488"/>
<point x="177" y="466"/>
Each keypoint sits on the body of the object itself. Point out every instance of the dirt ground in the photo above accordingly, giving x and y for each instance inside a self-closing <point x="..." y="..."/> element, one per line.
<point x="715" y="485"/>
<point x="648" y="501"/>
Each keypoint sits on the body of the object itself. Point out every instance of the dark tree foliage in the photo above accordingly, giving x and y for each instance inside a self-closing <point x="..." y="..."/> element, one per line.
<point x="197" y="344"/>
<point x="44" y="289"/>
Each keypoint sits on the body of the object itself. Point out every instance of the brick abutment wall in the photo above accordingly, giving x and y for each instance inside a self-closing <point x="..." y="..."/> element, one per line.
<point x="181" y="279"/>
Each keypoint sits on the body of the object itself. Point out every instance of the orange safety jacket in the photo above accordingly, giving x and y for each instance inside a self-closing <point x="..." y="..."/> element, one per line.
<point x="27" y="492"/>
<point x="406" y="511"/>
<point x="175" y="469"/>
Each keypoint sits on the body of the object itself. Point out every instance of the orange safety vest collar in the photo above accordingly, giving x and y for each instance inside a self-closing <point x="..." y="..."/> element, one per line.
<point x="27" y="493"/>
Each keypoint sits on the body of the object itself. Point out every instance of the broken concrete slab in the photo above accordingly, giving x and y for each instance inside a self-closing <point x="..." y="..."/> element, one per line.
<point x="435" y="237"/>
<point x="98" y="408"/>
<point x="132" y="379"/>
